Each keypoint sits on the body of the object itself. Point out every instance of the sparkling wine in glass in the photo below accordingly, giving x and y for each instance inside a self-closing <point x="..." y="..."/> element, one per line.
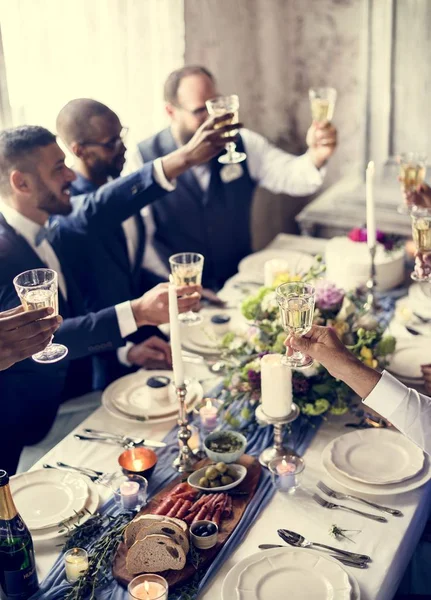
<point x="421" y="229"/>
<point x="218" y="107"/>
<point x="412" y="174"/>
<point x="322" y="102"/>
<point x="296" y="303"/>
<point x="186" y="269"/>
<point x="38" y="288"/>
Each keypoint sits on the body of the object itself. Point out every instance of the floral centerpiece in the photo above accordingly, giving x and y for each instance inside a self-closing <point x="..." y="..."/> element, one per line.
<point x="389" y="241"/>
<point x="315" y="391"/>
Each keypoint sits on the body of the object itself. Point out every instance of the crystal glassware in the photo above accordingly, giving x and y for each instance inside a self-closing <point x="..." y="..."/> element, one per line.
<point x="411" y="175"/>
<point x="296" y="303"/>
<point x="148" y="587"/>
<point x="421" y="229"/>
<point x="130" y="491"/>
<point x="38" y="288"/>
<point x="186" y="269"/>
<point x="218" y="107"/>
<point x="286" y="472"/>
<point x="322" y="103"/>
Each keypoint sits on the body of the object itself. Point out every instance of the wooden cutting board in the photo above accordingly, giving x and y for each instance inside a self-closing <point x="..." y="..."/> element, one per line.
<point x="239" y="504"/>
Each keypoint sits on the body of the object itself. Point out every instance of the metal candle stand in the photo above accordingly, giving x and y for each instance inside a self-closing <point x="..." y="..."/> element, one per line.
<point x="371" y="304"/>
<point x="185" y="460"/>
<point x="278" y="449"/>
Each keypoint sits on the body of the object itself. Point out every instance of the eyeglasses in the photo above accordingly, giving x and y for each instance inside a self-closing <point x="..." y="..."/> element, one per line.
<point x="113" y="144"/>
<point x="197" y="112"/>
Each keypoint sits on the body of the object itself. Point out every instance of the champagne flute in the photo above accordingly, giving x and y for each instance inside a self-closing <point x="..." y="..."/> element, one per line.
<point x="322" y="102"/>
<point x="421" y="229"/>
<point x="218" y="107"/>
<point x="38" y="288"/>
<point x="296" y="302"/>
<point x="412" y="174"/>
<point x="186" y="269"/>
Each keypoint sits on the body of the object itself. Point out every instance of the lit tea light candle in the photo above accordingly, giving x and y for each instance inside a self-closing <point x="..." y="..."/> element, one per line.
<point x="76" y="563"/>
<point x="129" y="494"/>
<point x="208" y="415"/>
<point x="286" y="470"/>
<point x="148" y="587"/>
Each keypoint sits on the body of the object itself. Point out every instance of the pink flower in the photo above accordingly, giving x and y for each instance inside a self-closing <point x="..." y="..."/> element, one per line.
<point x="328" y="296"/>
<point x="358" y="235"/>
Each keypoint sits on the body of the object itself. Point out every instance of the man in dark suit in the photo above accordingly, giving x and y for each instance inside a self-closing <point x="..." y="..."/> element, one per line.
<point x="34" y="184"/>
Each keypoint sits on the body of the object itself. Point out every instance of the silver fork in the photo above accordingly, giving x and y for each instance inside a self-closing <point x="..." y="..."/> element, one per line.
<point x="339" y="496"/>
<point x="331" y="505"/>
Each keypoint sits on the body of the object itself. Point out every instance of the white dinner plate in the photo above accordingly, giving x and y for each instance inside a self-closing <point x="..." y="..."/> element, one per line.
<point x="203" y="339"/>
<point x="194" y="395"/>
<point x="304" y="574"/>
<point x="376" y="456"/>
<point x="253" y="265"/>
<point x="420" y="299"/>
<point x="193" y="479"/>
<point x="409" y="356"/>
<point x="43" y="535"/>
<point x="375" y="490"/>
<point x="131" y="396"/>
<point x="44" y="498"/>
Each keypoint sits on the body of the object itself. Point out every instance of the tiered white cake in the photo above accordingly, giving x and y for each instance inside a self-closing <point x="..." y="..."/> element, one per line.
<point x="348" y="264"/>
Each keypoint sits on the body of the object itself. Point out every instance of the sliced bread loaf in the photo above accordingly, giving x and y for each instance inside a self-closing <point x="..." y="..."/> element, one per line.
<point x="164" y="527"/>
<point x="145" y="520"/>
<point x="154" y="554"/>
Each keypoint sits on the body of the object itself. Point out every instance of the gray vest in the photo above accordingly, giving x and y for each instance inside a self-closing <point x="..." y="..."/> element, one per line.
<point x="215" y="223"/>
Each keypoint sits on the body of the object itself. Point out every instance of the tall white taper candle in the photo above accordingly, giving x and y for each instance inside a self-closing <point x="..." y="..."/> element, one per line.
<point x="371" y="212"/>
<point x="174" y="324"/>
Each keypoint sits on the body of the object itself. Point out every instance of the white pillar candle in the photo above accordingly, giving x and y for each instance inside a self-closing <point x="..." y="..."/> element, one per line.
<point x="177" y="359"/>
<point x="371" y="213"/>
<point x="272" y="268"/>
<point x="276" y="386"/>
<point x="76" y="563"/>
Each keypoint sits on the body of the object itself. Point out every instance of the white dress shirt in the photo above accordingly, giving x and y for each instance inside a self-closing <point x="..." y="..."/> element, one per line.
<point x="406" y="409"/>
<point x="271" y="168"/>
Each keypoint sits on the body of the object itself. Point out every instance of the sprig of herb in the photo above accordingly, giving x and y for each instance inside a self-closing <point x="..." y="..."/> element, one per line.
<point x="339" y="533"/>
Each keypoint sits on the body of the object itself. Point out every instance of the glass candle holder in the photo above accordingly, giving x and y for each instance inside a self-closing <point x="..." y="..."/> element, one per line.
<point x="130" y="491"/>
<point x="148" y="587"/>
<point x="286" y="473"/>
<point x="75" y="563"/>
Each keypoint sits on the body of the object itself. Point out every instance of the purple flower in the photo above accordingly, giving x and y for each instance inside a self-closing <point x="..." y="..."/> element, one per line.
<point x="300" y="384"/>
<point x="254" y="379"/>
<point x="328" y="296"/>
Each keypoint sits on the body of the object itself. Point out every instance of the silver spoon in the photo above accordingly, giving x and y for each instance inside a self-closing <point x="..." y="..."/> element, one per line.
<point x="295" y="539"/>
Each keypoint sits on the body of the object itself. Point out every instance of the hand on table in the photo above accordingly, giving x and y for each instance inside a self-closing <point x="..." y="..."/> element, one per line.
<point x="23" y="334"/>
<point x="321" y="141"/>
<point x="153" y="307"/>
<point x="154" y="353"/>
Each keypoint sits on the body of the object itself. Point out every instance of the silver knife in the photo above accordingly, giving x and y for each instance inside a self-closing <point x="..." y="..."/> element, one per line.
<point x="125" y="442"/>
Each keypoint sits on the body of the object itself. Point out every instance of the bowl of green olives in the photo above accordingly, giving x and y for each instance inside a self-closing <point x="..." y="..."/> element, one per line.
<point x="225" y="446"/>
<point x="217" y="478"/>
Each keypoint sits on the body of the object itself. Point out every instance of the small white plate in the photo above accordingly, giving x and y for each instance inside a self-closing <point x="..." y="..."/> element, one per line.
<point x="193" y="479"/>
<point x="392" y="489"/>
<point x="304" y="574"/>
<point x="376" y="456"/>
<point x="44" y="498"/>
<point x="253" y="264"/>
<point x="409" y="356"/>
<point x="420" y="299"/>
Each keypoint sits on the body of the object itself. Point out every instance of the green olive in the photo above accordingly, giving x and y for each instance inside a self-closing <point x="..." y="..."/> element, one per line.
<point x="211" y="473"/>
<point x="204" y="482"/>
<point x="215" y="483"/>
<point x="221" y="467"/>
<point x="226" y="480"/>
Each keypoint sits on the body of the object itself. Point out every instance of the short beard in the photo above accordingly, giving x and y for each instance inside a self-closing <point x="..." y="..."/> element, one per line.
<point x="48" y="202"/>
<point x="102" y="169"/>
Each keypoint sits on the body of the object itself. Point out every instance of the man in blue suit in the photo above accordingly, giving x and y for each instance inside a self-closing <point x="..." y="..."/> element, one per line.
<point x="34" y="184"/>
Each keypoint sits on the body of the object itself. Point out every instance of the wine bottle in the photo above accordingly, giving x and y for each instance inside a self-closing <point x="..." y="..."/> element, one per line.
<point x="18" y="577"/>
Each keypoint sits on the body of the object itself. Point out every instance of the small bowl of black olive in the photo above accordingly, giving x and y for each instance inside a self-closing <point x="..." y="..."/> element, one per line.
<point x="204" y="534"/>
<point x="225" y="446"/>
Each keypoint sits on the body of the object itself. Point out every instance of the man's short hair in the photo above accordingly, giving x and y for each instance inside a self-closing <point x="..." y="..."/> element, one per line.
<point x="174" y="79"/>
<point x="17" y="148"/>
<point x="73" y="121"/>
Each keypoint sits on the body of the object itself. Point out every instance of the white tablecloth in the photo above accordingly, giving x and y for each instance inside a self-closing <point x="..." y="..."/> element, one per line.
<point x="390" y="544"/>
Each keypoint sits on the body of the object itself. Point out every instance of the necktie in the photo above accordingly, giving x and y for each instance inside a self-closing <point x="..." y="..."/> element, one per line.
<point x="46" y="233"/>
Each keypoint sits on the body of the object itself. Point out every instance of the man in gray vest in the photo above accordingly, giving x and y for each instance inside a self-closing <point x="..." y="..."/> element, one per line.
<point x="210" y="209"/>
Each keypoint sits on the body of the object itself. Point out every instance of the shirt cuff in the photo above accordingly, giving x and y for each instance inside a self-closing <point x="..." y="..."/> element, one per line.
<point x="126" y="320"/>
<point x="122" y="354"/>
<point x="160" y="177"/>
<point x="319" y="174"/>
<point x="387" y="395"/>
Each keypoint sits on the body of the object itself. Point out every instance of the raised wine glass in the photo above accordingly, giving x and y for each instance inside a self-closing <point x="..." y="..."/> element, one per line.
<point x="38" y="288"/>
<point x="296" y="302"/>
<point x="412" y="174"/>
<point x="218" y="107"/>
<point x="421" y="229"/>
<point x="186" y="269"/>
<point x="322" y="103"/>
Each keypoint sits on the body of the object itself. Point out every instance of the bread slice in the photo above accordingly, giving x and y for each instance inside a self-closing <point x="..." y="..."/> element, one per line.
<point x="154" y="554"/>
<point x="145" y="520"/>
<point x="164" y="527"/>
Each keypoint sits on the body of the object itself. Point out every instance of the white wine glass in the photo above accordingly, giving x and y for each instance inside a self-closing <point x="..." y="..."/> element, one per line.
<point x="218" y="107"/>
<point x="412" y="174"/>
<point x="296" y="303"/>
<point x="38" y="288"/>
<point x="186" y="269"/>
<point x="322" y="103"/>
<point x="421" y="229"/>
